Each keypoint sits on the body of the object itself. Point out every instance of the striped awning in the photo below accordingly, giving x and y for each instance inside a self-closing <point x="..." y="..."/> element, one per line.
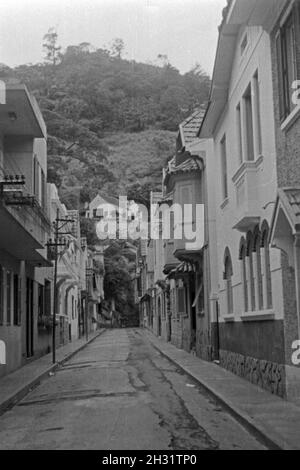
<point x="183" y="268"/>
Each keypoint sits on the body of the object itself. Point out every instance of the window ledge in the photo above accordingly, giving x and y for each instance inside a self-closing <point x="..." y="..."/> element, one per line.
<point x="292" y="117"/>
<point x="258" y="315"/>
<point x="228" y="317"/>
<point x="246" y="166"/>
<point x="224" y="203"/>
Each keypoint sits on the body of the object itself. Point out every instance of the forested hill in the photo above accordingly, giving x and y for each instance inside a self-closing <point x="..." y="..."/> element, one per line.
<point x="111" y="122"/>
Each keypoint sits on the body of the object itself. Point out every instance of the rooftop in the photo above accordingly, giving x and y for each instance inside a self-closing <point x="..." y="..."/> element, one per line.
<point x="290" y="197"/>
<point x="189" y="127"/>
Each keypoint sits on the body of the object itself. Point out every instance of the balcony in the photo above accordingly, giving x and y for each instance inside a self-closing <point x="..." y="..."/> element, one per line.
<point x="23" y="230"/>
<point x="247" y="196"/>
<point x="20" y="114"/>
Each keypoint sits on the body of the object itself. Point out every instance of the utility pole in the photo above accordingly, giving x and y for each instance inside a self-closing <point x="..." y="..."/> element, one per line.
<point x="55" y="289"/>
<point x="89" y="276"/>
<point x="56" y="244"/>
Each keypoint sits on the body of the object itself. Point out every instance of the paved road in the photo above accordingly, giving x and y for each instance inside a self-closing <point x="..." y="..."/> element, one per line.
<point x="120" y="393"/>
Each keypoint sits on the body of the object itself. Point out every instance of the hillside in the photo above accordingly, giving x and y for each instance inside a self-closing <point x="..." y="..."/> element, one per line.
<point x="111" y="122"/>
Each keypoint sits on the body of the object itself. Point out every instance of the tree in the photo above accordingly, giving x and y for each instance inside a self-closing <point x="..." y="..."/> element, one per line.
<point x="117" y="47"/>
<point x="52" y="50"/>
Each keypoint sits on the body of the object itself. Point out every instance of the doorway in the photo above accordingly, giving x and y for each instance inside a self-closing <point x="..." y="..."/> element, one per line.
<point x="193" y="323"/>
<point x="159" y="317"/>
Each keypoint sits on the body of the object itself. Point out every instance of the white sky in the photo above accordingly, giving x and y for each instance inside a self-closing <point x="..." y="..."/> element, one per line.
<point x="185" y="30"/>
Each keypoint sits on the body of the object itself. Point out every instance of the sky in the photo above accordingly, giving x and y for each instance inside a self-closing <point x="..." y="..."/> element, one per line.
<point x="185" y="30"/>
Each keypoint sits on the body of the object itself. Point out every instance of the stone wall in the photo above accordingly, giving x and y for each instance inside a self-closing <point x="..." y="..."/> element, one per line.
<point x="266" y="374"/>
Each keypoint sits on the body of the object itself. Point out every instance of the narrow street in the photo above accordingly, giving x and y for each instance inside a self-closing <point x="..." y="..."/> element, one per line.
<point x="121" y="393"/>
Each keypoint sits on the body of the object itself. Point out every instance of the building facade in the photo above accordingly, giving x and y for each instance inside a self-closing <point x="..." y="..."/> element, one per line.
<point x="174" y="267"/>
<point x="24" y="219"/>
<point x="284" y="234"/>
<point x="252" y="282"/>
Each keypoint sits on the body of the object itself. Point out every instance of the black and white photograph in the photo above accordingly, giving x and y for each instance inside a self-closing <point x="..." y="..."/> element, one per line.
<point x="149" y="228"/>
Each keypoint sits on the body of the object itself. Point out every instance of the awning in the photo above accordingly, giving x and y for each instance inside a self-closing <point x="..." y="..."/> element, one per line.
<point x="145" y="298"/>
<point x="183" y="268"/>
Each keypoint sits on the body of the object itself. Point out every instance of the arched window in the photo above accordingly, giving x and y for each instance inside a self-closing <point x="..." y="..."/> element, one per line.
<point x="258" y="270"/>
<point x="228" y="278"/>
<point x="242" y="257"/>
<point x="266" y="270"/>
<point x="250" y="271"/>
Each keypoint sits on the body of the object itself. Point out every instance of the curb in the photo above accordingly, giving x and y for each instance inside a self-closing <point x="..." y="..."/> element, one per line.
<point x="243" y="418"/>
<point x="24" y="390"/>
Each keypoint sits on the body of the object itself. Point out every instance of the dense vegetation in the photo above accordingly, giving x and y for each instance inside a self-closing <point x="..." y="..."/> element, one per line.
<point x="107" y="117"/>
<point x="111" y="126"/>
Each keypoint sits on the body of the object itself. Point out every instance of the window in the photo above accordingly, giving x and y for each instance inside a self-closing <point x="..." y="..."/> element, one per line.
<point x="239" y="133"/>
<point x="244" y="44"/>
<point x="40" y="300"/>
<point x="250" y="271"/>
<point x="255" y="269"/>
<point x="224" y="168"/>
<point x="228" y="278"/>
<point x="242" y="257"/>
<point x="181" y="300"/>
<point x="256" y="92"/>
<point x="47" y="296"/>
<point x="266" y="268"/>
<point x="258" y="273"/>
<point x="8" y="297"/>
<point x="43" y="189"/>
<point x="249" y="124"/>
<point x="288" y="62"/>
<point x="16" y="300"/>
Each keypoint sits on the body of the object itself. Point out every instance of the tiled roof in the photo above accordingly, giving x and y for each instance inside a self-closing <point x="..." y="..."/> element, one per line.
<point x="290" y="198"/>
<point x="189" y="127"/>
<point x="107" y="199"/>
<point x="110" y="199"/>
<point x="167" y="198"/>
<point x="190" y="164"/>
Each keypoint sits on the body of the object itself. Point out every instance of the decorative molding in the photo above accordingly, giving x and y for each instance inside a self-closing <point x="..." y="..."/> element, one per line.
<point x="258" y="315"/>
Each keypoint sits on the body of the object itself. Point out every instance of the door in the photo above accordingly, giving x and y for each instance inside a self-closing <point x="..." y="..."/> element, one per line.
<point x="159" y="317"/>
<point x="193" y="315"/>
<point x="217" y="335"/>
<point x="29" y="318"/>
